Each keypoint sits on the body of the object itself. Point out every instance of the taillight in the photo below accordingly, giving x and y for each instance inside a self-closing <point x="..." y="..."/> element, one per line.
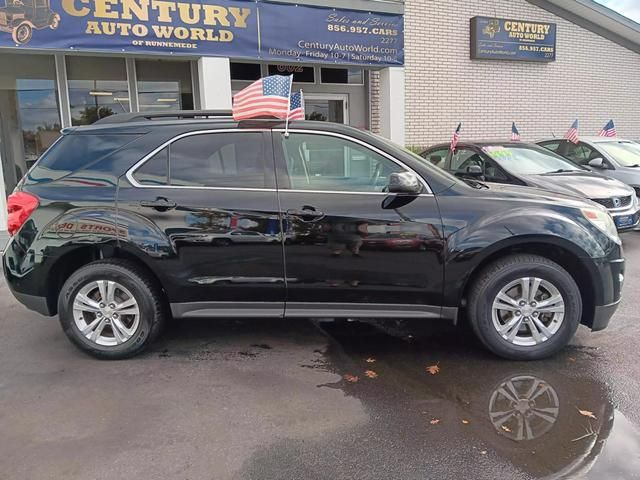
<point x="20" y="206"/>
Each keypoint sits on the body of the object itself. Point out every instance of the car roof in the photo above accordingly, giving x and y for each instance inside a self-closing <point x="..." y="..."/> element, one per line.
<point x="483" y="143"/>
<point x="590" y="139"/>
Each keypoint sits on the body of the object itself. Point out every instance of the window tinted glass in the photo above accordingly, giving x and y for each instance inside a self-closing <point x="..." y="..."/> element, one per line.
<point x="218" y="160"/>
<point x="154" y="171"/>
<point x="342" y="75"/>
<point x="300" y="74"/>
<point x="580" y="153"/>
<point x="245" y="71"/>
<point x="75" y="152"/>
<point x="320" y="162"/>
<point x="437" y="157"/>
<point x="553" y="146"/>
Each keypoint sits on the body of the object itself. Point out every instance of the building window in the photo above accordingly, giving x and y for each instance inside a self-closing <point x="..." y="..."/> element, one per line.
<point x="29" y="113"/>
<point x="98" y="88"/>
<point x="300" y="74"/>
<point x="164" y="85"/>
<point x="354" y="76"/>
<point x="245" y="71"/>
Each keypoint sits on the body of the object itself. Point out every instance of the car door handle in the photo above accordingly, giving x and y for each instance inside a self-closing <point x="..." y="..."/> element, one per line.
<point x="161" y="204"/>
<point x="307" y="214"/>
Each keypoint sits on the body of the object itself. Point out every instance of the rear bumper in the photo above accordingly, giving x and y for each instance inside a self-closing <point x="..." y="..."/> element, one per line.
<point x="602" y="316"/>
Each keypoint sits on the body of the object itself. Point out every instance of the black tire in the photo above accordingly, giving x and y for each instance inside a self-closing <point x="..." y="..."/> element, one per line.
<point x="495" y="277"/>
<point x="144" y="290"/>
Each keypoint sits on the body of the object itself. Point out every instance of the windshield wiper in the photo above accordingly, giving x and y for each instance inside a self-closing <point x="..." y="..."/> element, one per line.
<point x="475" y="183"/>
<point x="634" y="166"/>
<point x="560" y="170"/>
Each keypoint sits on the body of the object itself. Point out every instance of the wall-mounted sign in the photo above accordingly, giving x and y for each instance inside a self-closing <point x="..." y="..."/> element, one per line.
<point x="505" y="39"/>
<point x="254" y="29"/>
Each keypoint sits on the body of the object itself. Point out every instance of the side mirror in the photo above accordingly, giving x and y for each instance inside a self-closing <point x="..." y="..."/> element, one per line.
<point x="597" y="163"/>
<point x="474" y="171"/>
<point x="404" y="182"/>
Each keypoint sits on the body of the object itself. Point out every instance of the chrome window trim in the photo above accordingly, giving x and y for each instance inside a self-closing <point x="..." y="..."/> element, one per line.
<point x="143" y="160"/>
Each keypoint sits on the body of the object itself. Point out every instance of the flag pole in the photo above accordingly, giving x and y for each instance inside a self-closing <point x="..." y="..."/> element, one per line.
<point x="286" y="125"/>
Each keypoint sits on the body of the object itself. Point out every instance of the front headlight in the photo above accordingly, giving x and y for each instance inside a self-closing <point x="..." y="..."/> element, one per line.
<point x="603" y="221"/>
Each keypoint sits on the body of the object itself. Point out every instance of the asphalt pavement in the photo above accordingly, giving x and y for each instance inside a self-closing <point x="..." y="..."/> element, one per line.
<point x="315" y="399"/>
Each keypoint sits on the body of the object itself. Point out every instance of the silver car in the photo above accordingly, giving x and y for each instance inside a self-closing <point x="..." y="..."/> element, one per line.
<point x="610" y="156"/>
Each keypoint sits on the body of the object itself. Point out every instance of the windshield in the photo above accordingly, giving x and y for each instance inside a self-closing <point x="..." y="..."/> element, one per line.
<point x="626" y="154"/>
<point x="528" y="160"/>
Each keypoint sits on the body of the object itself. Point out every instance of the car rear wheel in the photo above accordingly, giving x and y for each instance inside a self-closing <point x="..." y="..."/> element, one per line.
<point x="22" y="33"/>
<point x="525" y="307"/>
<point x="110" y="309"/>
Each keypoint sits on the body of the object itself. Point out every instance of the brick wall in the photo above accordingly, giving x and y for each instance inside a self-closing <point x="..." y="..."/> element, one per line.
<point x="592" y="79"/>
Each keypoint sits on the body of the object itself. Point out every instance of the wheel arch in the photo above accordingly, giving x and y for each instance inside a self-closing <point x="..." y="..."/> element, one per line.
<point x="65" y="265"/>
<point x="564" y="253"/>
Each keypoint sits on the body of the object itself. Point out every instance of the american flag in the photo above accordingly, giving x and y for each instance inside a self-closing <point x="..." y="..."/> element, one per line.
<point x="572" y="133"/>
<point x="267" y="97"/>
<point x="296" y="109"/>
<point x="609" y="130"/>
<point x="515" y="134"/>
<point x="454" y="138"/>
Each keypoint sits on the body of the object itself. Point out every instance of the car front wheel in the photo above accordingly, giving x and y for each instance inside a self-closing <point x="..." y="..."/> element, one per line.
<point x="525" y="307"/>
<point x="110" y="309"/>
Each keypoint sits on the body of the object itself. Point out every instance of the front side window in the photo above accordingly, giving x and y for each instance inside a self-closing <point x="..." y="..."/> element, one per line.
<point x="437" y="157"/>
<point x="321" y="162"/>
<point x="553" y="146"/>
<point x="580" y="153"/>
<point x="208" y="160"/>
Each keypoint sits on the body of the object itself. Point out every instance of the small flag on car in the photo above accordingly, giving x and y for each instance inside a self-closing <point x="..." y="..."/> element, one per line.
<point x="296" y="109"/>
<point x="515" y="134"/>
<point x="609" y="130"/>
<point x="267" y="97"/>
<point x="572" y="133"/>
<point x="455" y="137"/>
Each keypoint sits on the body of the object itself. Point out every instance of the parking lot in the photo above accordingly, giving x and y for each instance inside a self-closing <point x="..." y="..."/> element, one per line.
<point x="264" y="399"/>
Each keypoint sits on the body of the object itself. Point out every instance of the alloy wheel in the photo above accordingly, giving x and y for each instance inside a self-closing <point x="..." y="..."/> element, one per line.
<point x="528" y="311"/>
<point x="106" y="313"/>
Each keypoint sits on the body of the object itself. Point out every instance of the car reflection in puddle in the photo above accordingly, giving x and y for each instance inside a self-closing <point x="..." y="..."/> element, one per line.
<point x="478" y="417"/>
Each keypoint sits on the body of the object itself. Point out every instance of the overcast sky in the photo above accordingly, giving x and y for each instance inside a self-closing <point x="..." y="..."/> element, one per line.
<point x="628" y="8"/>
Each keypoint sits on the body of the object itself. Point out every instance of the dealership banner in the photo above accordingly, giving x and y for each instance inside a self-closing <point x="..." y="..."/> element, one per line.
<point x="228" y="28"/>
<point x="507" y="39"/>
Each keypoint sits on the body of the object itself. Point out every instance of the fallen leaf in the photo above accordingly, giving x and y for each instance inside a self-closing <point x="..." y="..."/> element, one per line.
<point x="433" y="369"/>
<point x="466" y="422"/>
<point x="571" y="359"/>
<point x="370" y="360"/>
<point x="351" y="378"/>
<point x="483" y="452"/>
<point x="435" y="421"/>
<point x="587" y="413"/>
<point x="505" y="428"/>
<point x="371" y="374"/>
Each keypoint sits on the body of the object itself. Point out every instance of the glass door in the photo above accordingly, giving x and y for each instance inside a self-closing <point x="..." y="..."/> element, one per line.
<point x="326" y="107"/>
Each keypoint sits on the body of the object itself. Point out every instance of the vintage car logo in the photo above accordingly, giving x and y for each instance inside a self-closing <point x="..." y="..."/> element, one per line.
<point x="492" y="28"/>
<point x="617" y="202"/>
<point x="21" y="17"/>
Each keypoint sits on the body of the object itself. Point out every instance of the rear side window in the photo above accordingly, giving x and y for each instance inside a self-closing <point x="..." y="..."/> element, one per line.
<point x="76" y="152"/>
<point x="208" y="160"/>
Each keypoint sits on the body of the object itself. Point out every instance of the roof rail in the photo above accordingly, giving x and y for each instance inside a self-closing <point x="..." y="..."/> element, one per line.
<point x="171" y="114"/>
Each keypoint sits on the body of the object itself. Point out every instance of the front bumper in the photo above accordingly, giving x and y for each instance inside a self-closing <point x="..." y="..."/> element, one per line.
<point x="627" y="219"/>
<point x="602" y="315"/>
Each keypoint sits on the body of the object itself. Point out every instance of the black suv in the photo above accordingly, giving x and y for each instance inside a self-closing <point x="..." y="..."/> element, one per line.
<point x="138" y="217"/>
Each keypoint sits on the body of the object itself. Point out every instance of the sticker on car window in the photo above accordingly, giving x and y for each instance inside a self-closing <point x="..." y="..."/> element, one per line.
<point x="497" y="151"/>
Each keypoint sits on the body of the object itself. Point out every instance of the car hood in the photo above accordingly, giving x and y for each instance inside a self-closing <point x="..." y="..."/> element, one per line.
<point x="582" y="184"/>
